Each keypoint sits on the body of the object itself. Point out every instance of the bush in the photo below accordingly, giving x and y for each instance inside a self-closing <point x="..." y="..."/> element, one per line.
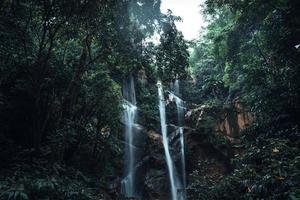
<point x="269" y="168"/>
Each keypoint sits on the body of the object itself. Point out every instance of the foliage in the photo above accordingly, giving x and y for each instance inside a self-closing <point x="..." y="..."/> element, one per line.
<point x="238" y="55"/>
<point x="268" y="168"/>
<point x="62" y="64"/>
<point x="249" y="50"/>
<point x="172" y="54"/>
<point x="47" y="182"/>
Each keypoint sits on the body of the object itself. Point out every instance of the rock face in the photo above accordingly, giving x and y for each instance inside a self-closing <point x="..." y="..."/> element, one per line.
<point x="204" y="156"/>
<point x="204" y="126"/>
<point x="213" y="140"/>
<point x="157" y="184"/>
<point x="235" y="118"/>
<point x="156" y="175"/>
<point x="228" y="121"/>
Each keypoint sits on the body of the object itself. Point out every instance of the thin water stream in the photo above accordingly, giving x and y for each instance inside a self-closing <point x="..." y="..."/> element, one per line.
<point x="180" y="119"/>
<point x="170" y="163"/>
<point x="130" y="112"/>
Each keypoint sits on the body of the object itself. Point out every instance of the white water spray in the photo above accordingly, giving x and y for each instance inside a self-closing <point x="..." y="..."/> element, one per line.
<point x="180" y="117"/>
<point x="130" y="112"/>
<point x="170" y="164"/>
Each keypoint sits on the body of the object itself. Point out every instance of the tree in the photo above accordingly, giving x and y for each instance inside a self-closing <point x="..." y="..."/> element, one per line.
<point x="172" y="54"/>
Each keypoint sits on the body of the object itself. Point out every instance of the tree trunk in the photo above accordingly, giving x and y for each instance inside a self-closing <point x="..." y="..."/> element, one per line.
<point x="73" y="86"/>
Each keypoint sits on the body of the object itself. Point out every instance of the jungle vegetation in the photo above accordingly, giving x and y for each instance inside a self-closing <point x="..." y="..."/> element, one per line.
<point x="62" y="65"/>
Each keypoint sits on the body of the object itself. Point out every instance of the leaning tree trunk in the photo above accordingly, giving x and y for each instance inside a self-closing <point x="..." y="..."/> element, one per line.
<point x="71" y="94"/>
<point x="76" y="79"/>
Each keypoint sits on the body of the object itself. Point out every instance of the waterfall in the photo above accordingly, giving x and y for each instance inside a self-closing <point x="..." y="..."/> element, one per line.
<point x="180" y="117"/>
<point x="170" y="164"/>
<point x="130" y="112"/>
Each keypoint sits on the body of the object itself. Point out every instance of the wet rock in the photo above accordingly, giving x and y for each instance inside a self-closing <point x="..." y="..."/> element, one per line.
<point x="156" y="184"/>
<point x="228" y="120"/>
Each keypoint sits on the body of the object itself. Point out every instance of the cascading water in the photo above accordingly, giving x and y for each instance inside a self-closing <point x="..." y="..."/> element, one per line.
<point x="170" y="164"/>
<point x="130" y="112"/>
<point x="180" y="117"/>
<point x="129" y="185"/>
